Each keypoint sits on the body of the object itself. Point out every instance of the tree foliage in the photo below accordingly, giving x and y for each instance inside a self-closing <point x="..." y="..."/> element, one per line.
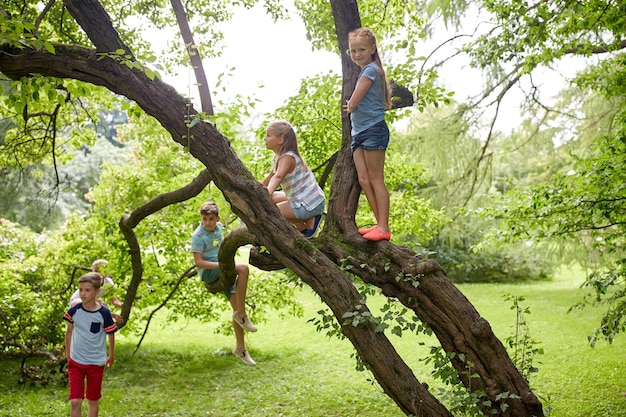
<point x="581" y="200"/>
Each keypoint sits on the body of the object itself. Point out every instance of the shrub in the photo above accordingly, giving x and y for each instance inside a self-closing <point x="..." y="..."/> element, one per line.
<point x="463" y="263"/>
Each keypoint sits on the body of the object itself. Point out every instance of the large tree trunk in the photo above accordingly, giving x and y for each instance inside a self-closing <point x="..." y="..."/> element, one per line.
<point x="436" y="301"/>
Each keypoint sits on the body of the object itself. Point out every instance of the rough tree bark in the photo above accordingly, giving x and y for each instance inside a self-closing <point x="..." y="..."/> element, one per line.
<point x="436" y="301"/>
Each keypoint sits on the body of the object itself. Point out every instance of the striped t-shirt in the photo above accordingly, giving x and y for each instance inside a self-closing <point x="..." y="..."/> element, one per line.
<point x="301" y="186"/>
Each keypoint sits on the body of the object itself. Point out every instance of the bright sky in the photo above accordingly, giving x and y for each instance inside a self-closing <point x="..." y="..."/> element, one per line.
<point x="275" y="55"/>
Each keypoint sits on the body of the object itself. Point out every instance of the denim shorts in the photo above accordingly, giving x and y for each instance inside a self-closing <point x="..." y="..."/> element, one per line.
<point x="302" y="213"/>
<point x="209" y="276"/>
<point x="373" y="138"/>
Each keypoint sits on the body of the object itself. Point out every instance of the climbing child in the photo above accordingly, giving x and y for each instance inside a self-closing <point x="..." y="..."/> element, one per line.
<point x="205" y="245"/>
<point x="370" y="134"/>
<point x="302" y="200"/>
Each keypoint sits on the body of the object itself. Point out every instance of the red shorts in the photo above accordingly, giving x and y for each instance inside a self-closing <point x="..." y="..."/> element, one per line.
<point x="77" y="374"/>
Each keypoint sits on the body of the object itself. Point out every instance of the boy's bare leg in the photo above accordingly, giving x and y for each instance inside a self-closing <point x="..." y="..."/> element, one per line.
<point x="94" y="408"/>
<point x="76" y="407"/>
<point x="240" y="350"/>
<point x="241" y="287"/>
<point x="241" y="345"/>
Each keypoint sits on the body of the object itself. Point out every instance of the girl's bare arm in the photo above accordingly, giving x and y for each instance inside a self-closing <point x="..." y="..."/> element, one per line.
<point x="284" y="167"/>
<point x="362" y="86"/>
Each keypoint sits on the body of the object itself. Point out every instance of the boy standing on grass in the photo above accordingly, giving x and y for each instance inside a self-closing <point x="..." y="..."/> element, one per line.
<point x="88" y="325"/>
<point x="205" y="245"/>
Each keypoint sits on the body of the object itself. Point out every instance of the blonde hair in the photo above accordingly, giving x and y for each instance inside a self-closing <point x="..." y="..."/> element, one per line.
<point x="284" y="129"/>
<point x="95" y="266"/>
<point x="290" y="142"/>
<point x="370" y="39"/>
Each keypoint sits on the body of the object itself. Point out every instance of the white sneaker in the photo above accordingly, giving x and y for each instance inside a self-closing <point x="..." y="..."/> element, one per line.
<point x="244" y="322"/>
<point x="244" y="356"/>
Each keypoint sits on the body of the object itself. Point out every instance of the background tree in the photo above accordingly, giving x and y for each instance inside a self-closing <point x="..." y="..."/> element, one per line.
<point x="580" y="200"/>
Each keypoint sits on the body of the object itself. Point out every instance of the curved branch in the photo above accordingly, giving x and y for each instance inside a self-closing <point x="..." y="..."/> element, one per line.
<point x="226" y="258"/>
<point x="129" y="221"/>
<point x="161" y="201"/>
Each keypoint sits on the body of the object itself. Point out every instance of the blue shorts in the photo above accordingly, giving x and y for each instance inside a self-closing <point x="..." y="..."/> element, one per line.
<point x="302" y="213"/>
<point x="373" y="138"/>
<point x="209" y="276"/>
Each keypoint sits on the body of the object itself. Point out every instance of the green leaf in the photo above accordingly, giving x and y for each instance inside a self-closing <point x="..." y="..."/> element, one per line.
<point x="49" y="47"/>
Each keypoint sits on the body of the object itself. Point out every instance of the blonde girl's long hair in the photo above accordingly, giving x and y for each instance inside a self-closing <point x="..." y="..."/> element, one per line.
<point x="370" y="39"/>
<point x="290" y="143"/>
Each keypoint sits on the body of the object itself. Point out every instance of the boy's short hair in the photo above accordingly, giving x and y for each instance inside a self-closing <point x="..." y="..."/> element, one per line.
<point x="94" y="278"/>
<point x="209" y="207"/>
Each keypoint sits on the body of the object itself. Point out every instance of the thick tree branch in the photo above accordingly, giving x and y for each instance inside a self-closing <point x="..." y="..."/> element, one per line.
<point x="424" y="288"/>
<point x="226" y="258"/>
<point x="103" y="35"/>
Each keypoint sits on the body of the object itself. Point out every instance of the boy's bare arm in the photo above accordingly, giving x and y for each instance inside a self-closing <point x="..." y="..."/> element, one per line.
<point x="201" y="263"/>
<point x="68" y="339"/>
<point x="111" y="357"/>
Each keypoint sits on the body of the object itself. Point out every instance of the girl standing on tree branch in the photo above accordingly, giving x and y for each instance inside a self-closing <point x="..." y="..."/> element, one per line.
<point x="370" y="134"/>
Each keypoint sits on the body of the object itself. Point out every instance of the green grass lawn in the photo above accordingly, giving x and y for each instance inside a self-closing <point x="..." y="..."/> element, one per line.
<point x="576" y="380"/>
<point x="185" y="369"/>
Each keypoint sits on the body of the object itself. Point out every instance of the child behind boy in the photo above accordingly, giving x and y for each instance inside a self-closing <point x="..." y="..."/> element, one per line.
<point x="88" y="325"/>
<point x="105" y="287"/>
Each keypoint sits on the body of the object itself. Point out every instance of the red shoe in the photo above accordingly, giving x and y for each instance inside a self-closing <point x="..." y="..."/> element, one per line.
<point x="376" y="235"/>
<point x="366" y="231"/>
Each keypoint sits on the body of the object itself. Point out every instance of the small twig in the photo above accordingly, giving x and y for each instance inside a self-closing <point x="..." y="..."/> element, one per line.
<point x="186" y="274"/>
